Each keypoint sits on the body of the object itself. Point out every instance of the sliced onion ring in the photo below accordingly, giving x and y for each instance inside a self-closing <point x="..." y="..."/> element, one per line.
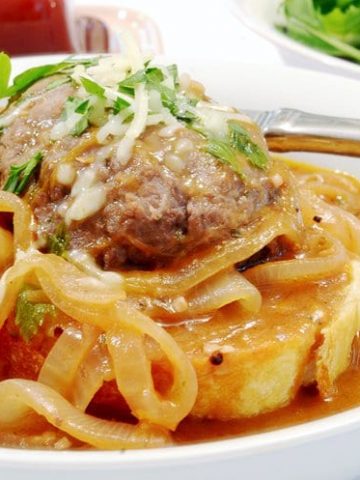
<point x="308" y="268"/>
<point x="62" y="362"/>
<point x="22" y="219"/>
<point x="133" y="369"/>
<point x="20" y="396"/>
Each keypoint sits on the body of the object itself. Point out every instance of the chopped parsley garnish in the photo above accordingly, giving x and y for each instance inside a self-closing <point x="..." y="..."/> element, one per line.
<point x="92" y="87"/>
<point x="29" y="77"/>
<point x="168" y="95"/>
<point x="58" y="243"/>
<point x="154" y="74"/>
<point x="237" y="140"/>
<point x="223" y="152"/>
<point x="20" y="175"/>
<point x="58" y="82"/>
<point x="178" y="104"/>
<point x="119" y="105"/>
<point x="241" y="141"/>
<point x="148" y="75"/>
<point x="80" y="106"/>
<point x="128" y="85"/>
<point x="31" y="316"/>
<point x="183" y="108"/>
<point x="5" y="71"/>
<point x="173" y="70"/>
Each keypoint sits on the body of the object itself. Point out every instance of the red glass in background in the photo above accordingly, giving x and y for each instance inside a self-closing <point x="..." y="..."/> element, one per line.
<point x="35" y="26"/>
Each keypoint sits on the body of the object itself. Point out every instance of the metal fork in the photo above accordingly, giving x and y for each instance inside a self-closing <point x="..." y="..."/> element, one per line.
<point x="288" y="130"/>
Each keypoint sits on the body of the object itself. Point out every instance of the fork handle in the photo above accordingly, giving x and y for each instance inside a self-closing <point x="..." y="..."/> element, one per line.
<point x="307" y="143"/>
<point x="296" y="130"/>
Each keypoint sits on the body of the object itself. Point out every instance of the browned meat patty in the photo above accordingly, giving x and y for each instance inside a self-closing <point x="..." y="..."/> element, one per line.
<point x="169" y="199"/>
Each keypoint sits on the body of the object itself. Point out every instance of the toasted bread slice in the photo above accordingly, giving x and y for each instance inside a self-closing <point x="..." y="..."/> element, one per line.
<point x="249" y="364"/>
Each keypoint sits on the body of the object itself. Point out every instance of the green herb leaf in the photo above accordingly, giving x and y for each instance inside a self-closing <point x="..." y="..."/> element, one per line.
<point x="173" y="70"/>
<point x="58" y="82"/>
<point x="120" y="104"/>
<point x="130" y="91"/>
<point x="31" y="316"/>
<point x="129" y="118"/>
<point x="128" y="84"/>
<point x="20" y="175"/>
<point x="183" y="109"/>
<point x="241" y="141"/>
<point x="80" y="106"/>
<point x="168" y="96"/>
<point x="92" y="87"/>
<point x="154" y="74"/>
<point x="179" y="105"/>
<point x="5" y="72"/>
<point x="27" y="78"/>
<point x="80" y="126"/>
<point x="32" y="75"/>
<point x="222" y="151"/>
<point x="58" y="243"/>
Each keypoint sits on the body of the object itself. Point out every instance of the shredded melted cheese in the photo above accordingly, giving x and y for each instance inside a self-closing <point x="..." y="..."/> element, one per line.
<point x="88" y="196"/>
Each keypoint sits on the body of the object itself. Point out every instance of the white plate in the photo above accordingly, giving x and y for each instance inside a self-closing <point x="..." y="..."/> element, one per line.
<point x="261" y="16"/>
<point x="320" y="450"/>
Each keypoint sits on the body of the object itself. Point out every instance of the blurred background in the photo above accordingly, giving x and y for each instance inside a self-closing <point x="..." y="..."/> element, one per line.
<point x="202" y="29"/>
<point x="244" y="31"/>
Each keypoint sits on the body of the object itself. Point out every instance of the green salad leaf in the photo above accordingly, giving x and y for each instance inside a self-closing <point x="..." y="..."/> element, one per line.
<point x="332" y="26"/>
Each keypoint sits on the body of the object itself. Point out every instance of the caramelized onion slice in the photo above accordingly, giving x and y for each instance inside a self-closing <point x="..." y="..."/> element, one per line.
<point x="340" y="223"/>
<point x="216" y="292"/>
<point x="22" y="218"/>
<point x="6" y="249"/>
<point x="168" y="283"/>
<point x="222" y="289"/>
<point x="75" y="293"/>
<point x="62" y="363"/>
<point x="133" y="369"/>
<point x="20" y="396"/>
<point x="332" y="186"/>
<point x="330" y="257"/>
<point x="88" y="302"/>
<point x="96" y="368"/>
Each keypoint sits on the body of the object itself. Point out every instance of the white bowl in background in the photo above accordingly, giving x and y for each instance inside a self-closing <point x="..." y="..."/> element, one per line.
<point x="324" y="449"/>
<point x="261" y="17"/>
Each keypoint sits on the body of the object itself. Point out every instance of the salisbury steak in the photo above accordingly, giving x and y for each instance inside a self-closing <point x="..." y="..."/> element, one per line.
<point x="170" y="198"/>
